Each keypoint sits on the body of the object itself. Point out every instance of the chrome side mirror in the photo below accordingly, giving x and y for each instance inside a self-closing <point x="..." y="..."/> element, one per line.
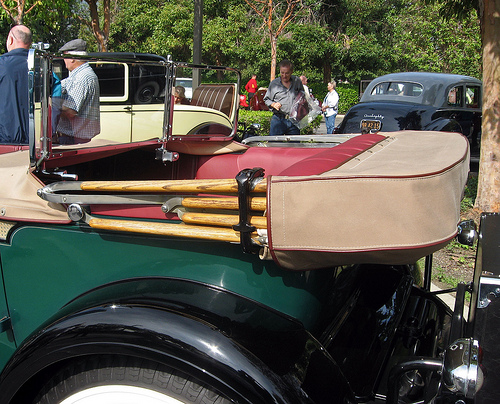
<point x="467" y="232"/>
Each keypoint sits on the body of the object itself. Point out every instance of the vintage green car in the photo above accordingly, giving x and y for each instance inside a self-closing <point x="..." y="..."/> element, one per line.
<point x="190" y="268"/>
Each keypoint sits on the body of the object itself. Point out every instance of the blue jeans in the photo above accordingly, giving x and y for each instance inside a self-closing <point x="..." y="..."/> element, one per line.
<point x="330" y="123"/>
<point x="282" y="126"/>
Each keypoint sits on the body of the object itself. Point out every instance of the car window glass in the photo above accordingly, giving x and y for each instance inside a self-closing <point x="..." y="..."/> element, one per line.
<point x="414" y="89"/>
<point x="187" y="83"/>
<point x="398" y="88"/>
<point x="472" y="96"/>
<point x="380" y="88"/>
<point x="455" y="97"/>
<point x="111" y="78"/>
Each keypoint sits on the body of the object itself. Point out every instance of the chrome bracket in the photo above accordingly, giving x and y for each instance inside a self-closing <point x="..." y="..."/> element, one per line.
<point x="166" y="156"/>
<point x="489" y="288"/>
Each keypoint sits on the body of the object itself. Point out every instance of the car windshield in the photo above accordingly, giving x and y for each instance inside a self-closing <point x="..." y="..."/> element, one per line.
<point x="398" y="88"/>
<point x="126" y="102"/>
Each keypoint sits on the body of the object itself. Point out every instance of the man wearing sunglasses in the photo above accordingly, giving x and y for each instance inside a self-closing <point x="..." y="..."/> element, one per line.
<point x="14" y="87"/>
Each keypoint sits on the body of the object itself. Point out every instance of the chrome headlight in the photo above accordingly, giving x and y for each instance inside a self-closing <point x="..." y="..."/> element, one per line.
<point x="461" y="371"/>
<point x="467" y="232"/>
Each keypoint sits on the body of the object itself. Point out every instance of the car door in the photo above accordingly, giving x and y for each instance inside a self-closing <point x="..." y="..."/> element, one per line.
<point x="116" y="106"/>
<point x="464" y="105"/>
<point x="147" y="89"/>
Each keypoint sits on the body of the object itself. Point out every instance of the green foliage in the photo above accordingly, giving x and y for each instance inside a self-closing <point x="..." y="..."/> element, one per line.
<point x="348" y="96"/>
<point x="154" y="26"/>
<point x="51" y="22"/>
<point x="453" y="9"/>
<point x="309" y="129"/>
<point x="471" y="187"/>
<point x="469" y="194"/>
<point x="317" y="88"/>
<point x="344" y="40"/>
<point x="4" y="31"/>
<point x="223" y="37"/>
<point x="361" y="31"/>
<point x="264" y="119"/>
<point x="308" y="48"/>
<point x="455" y="245"/>
<point x="423" y="41"/>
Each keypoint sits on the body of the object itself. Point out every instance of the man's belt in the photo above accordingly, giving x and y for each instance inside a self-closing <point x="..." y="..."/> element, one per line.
<point x="282" y="115"/>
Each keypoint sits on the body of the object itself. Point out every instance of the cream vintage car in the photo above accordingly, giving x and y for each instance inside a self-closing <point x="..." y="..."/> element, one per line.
<point x="132" y="88"/>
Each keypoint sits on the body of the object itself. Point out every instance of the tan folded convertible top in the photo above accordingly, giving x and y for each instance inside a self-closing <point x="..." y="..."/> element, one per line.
<point x="393" y="204"/>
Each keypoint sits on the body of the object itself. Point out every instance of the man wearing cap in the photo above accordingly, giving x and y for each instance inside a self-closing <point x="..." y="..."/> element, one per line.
<point x="80" y="118"/>
<point x="14" y="109"/>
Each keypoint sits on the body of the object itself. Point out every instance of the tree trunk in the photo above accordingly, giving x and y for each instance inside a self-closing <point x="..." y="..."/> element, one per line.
<point x="327" y="72"/>
<point x="274" y="48"/>
<point x="101" y="35"/>
<point x="488" y="193"/>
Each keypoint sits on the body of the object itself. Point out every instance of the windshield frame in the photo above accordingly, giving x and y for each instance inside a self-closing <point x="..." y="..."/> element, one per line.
<point x="40" y="70"/>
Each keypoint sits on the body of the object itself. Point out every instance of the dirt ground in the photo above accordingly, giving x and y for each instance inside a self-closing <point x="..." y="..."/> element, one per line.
<point x="455" y="263"/>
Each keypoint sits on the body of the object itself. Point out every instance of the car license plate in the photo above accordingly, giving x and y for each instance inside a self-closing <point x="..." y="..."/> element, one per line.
<point x="369" y="126"/>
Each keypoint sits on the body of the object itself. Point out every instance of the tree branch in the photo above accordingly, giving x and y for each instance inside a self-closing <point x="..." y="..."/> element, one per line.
<point x="8" y="10"/>
<point x="33" y="6"/>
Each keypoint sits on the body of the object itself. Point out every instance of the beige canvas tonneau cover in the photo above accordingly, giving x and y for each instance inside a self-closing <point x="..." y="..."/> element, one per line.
<point x="393" y="204"/>
<point x="18" y="195"/>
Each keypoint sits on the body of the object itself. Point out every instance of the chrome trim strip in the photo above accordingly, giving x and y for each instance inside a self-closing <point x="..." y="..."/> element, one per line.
<point x="50" y="194"/>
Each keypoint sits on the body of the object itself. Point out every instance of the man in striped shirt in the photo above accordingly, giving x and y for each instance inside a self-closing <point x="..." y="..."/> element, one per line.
<point x="80" y="117"/>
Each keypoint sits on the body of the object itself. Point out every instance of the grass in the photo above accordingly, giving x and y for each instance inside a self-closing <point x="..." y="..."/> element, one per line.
<point x="469" y="194"/>
<point x="440" y="275"/>
<point x="454" y="245"/>
<point x="461" y="257"/>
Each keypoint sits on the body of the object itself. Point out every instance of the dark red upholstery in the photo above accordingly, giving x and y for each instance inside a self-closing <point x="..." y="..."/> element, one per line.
<point x="9" y="148"/>
<point x="332" y="157"/>
<point x="291" y="161"/>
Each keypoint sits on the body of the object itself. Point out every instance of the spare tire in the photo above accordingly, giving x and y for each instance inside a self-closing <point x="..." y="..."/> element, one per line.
<point x="147" y="92"/>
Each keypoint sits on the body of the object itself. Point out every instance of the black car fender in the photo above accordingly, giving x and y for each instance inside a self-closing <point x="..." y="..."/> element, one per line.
<point x="246" y="362"/>
<point x="443" y="125"/>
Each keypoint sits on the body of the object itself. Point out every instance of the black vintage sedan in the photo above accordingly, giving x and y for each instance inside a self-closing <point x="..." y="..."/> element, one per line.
<point x="419" y="101"/>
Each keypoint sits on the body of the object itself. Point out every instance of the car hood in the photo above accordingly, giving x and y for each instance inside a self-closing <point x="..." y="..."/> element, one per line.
<point x="392" y="116"/>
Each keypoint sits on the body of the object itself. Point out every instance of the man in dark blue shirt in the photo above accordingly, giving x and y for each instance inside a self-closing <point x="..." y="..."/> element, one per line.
<point x="14" y="87"/>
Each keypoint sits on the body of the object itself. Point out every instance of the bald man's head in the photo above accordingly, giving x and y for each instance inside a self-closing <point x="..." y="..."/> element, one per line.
<point x="19" y="37"/>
